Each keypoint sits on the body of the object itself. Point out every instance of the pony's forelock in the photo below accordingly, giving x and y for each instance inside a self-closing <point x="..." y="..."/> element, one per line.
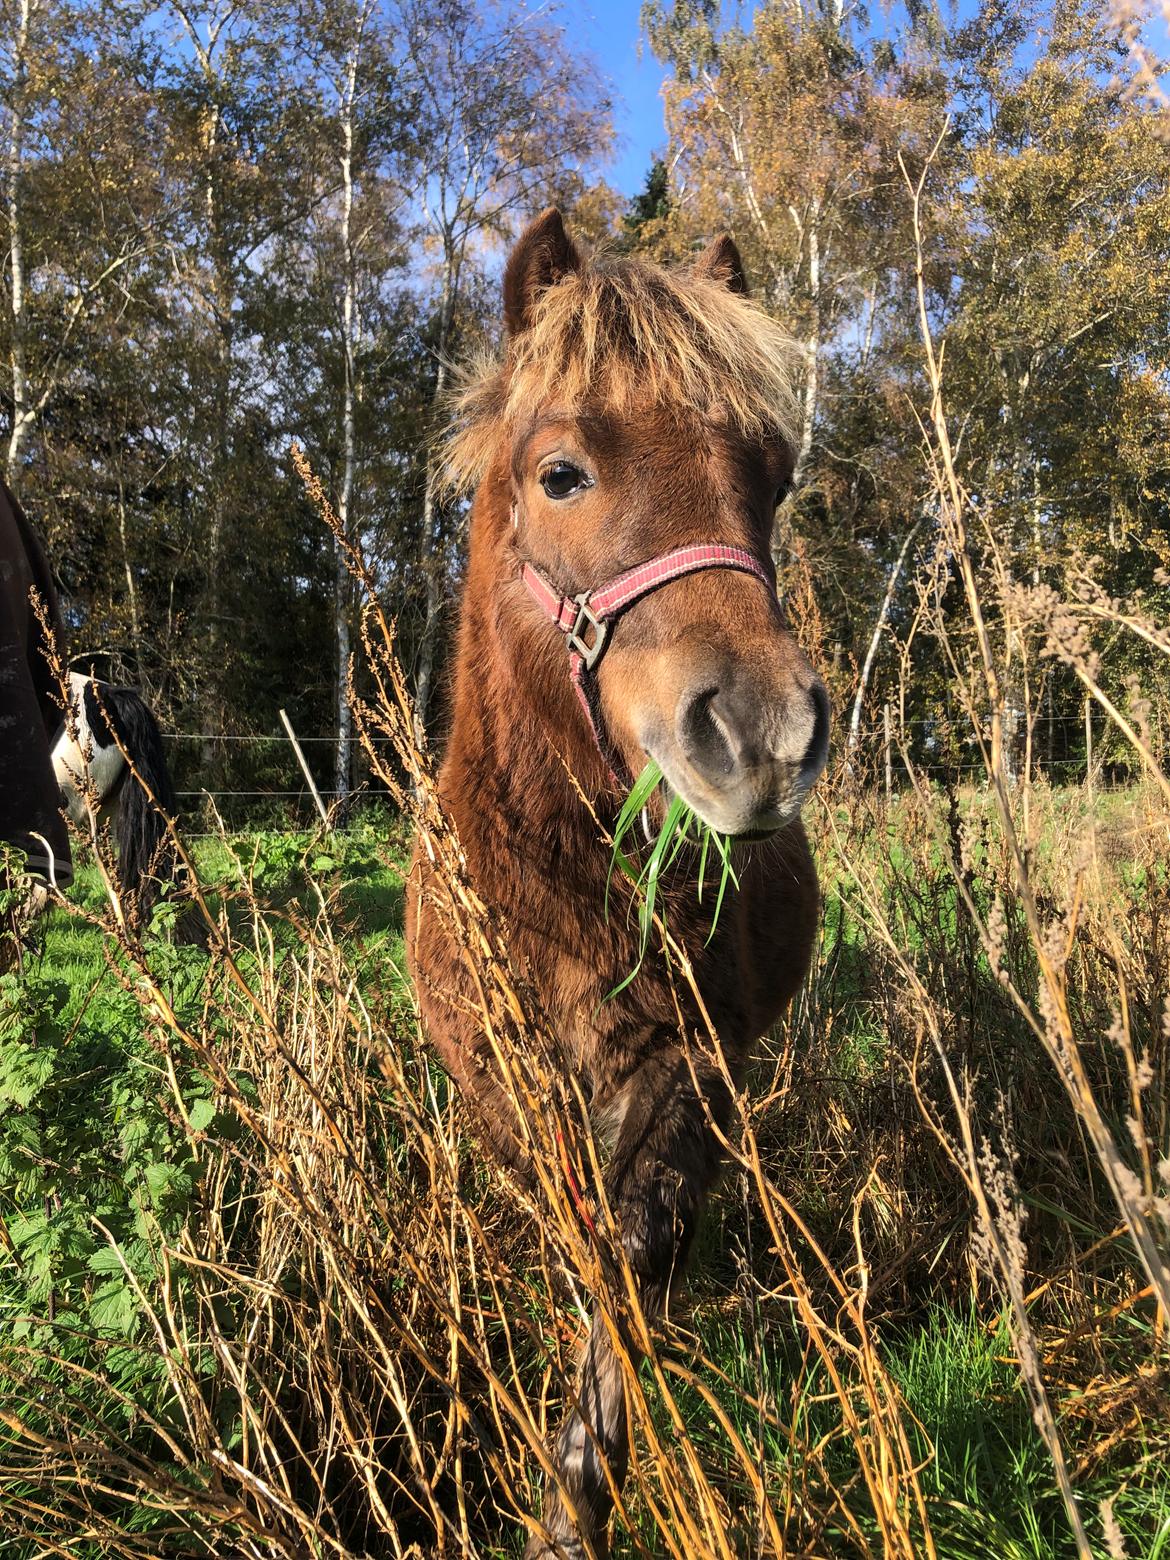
<point x="623" y="335"/>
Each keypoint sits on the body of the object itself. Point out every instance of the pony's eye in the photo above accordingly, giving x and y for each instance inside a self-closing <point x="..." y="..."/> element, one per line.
<point x="562" y="479"/>
<point x="782" y="493"/>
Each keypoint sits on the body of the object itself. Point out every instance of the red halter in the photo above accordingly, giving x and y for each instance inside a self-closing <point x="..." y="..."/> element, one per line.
<point x="598" y="610"/>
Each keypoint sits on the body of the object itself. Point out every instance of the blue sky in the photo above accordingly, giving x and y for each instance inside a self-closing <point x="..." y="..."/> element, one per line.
<point x="612" y="34"/>
<point x="610" y="30"/>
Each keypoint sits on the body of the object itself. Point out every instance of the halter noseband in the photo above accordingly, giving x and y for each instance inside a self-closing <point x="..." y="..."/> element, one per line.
<point x="597" y="611"/>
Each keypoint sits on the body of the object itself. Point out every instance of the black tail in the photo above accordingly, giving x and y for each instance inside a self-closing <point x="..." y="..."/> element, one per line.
<point x="146" y="854"/>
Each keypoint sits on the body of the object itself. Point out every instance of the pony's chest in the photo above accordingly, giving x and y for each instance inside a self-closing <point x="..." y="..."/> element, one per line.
<point x="611" y="988"/>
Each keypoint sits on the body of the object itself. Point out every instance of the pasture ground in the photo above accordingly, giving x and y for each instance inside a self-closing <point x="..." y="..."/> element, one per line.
<point x="117" y="1143"/>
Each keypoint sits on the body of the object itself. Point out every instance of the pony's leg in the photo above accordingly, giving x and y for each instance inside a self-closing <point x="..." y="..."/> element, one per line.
<point x="665" y="1158"/>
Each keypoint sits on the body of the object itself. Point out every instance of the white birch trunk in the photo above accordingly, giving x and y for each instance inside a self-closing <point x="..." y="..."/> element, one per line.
<point x="813" y="354"/>
<point x="221" y="312"/>
<point x="22" y="412"/>
<point x="345" y="499"/>
<point x="33" y="388"/>
<point x="433" y="561"/>
<point x="875" y="639"/>
<point x="811" y="398"/>
<point x="131" y="586"/>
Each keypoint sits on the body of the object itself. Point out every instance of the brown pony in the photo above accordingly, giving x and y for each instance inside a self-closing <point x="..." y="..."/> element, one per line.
<point x="638" y="416"/>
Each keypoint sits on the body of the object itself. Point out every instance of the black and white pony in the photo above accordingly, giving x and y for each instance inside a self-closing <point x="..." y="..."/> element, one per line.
<point x="89" y="765"/>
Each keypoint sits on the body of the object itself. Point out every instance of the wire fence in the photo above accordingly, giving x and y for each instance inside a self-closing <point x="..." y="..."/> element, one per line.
<point x="253" y="781"/>
<point x="224" y="736"/>
<point x="263" y="783"/>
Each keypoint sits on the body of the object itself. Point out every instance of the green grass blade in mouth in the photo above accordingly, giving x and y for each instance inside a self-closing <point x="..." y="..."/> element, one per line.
<point x="640" y="793"/>
<point x="666" y="848"/>
<point x="723" y="846"/>
<point x="680" y="826"/>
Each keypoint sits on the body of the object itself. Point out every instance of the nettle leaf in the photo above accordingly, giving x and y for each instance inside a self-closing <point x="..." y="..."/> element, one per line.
<point x="165" y="1180"/>
<point x="38" y="1277"/>
<point x="57" y="995"/>
<point x="113" y="1307"/>
<point x="22" y="1150"/>
<point x="30" y="1009"/>
<point x="137" y="1255"/>
<point x="137" y="1126"/>
<point x="25" y="1069"/>
<point x="73" y="1234"/>
<point x="28" y="1230"/>
<point x="69" y="1268"/>
<point x="201" y="1114"/>
<point x="246" y="1084"/>
<point x="105" y="1260"/>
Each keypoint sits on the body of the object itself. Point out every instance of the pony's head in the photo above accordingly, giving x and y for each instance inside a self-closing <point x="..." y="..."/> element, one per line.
<point x="637" y="412"/>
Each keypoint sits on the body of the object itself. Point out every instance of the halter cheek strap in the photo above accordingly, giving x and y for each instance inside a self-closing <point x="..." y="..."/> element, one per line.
<point x="594" y="613"/>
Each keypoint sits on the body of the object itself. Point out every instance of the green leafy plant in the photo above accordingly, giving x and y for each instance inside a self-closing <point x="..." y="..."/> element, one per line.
<point x="681" y="829"/>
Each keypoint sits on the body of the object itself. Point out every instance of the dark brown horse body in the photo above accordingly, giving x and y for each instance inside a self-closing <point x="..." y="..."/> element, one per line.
<point x="584" y="472"/>
<point x="30" y="801"/>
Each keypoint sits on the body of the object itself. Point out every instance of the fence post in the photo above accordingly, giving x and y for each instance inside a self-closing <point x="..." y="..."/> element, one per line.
<point x="292" y="737"/>
<point x="886" y="743"/>
<point x="1089" y="748"/>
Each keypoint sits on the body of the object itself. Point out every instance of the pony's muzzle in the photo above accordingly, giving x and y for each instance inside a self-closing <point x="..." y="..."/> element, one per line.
<point x="750" y="761"/>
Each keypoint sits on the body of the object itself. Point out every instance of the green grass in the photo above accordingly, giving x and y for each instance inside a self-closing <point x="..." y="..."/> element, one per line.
<point x="986" y="1475"/>
<point x="87" y="1130"/>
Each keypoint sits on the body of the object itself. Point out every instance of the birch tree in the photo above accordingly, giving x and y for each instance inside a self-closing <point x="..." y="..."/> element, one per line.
<point x="367" y="106"/>
<point x="786" y="133"/>
<point x="18" y="103"/>
<point x="80" y="220"/>
<point x="1055" y="319"/>
<point x="245" y="166"/>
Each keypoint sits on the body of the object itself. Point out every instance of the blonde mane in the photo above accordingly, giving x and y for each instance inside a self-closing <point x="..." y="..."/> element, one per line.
<point x="620" y="334"/>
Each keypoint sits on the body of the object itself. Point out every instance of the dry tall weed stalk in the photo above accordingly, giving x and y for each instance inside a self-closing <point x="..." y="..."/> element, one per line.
<point x="1052" y="918"/>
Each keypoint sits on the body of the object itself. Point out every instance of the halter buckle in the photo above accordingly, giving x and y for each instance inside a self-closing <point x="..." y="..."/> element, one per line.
<point x="587" y="618"/>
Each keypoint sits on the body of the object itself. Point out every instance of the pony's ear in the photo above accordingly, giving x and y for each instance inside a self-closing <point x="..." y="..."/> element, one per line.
<point x="720" y="262"/>
<point x="544" y="253"/>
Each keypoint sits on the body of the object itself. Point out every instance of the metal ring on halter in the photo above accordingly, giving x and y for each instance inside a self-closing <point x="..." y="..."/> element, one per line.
<point x="587" y="618"/>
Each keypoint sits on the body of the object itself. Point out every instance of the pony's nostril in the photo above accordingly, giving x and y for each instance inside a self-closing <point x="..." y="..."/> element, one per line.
<point x="703" y="736"/>
<point x="728" y="734"/>
<point x="818" y="747"/>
